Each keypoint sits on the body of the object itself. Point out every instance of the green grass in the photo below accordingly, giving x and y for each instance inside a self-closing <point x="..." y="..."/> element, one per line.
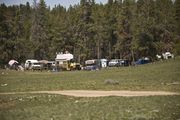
<point x="57" y="107"/>
<point x="156" y="76"/>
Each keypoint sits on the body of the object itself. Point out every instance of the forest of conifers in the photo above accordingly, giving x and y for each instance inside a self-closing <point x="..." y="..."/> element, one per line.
<point x="128" y="29"/>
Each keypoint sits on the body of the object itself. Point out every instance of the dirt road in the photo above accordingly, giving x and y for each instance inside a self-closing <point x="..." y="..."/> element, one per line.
<point x="94" y="93"/>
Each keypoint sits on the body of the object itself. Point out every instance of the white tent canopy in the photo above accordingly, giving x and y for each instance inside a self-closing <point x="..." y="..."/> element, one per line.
<point x="11" y="62"/>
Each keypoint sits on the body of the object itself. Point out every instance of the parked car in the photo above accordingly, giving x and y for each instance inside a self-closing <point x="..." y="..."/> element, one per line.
<point x="114" y="62"/>
<point x="36" y="66"/>
<point x="142" y="61"/>
<point x="92" y="64"/>
<point x="123" y="62"/>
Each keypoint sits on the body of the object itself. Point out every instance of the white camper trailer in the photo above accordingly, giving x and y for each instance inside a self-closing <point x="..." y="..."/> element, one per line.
<point x="66" y="62"/>
<point x="32" y="65"/>
<point x="62" y="61"/>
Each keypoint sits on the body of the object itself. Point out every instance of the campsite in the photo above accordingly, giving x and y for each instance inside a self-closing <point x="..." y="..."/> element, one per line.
<point x="89" y="59"/>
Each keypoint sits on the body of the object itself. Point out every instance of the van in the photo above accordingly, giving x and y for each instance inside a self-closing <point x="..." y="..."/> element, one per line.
<point x="114" y="63"/>
<point x="32" y="65"/>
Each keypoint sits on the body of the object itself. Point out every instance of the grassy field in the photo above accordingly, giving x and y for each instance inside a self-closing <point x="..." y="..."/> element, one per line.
<point x="156" y="76"/>
<point x="55" y="107"/>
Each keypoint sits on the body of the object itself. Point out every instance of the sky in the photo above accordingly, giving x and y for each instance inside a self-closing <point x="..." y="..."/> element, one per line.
<point x="51" y="3"/>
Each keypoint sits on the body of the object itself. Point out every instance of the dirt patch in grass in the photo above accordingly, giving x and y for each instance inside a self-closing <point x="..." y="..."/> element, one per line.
<point x="93" y="93"/>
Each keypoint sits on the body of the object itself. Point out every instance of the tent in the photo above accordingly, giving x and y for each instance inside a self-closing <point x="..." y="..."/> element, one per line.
<point x="12" y="62"/>
<point x="15" y="65"/>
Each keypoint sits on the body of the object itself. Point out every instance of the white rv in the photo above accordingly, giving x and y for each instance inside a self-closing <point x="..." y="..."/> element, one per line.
<point x="62" y="61"/>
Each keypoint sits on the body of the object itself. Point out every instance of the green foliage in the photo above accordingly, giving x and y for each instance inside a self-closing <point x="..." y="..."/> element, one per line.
<point x="177" y="15"/>
<point x="39" y="35"/>
<point x="89" y="30"/>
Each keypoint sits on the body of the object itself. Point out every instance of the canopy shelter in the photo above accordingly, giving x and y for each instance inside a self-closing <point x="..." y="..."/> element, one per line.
<point x="43" y="61"/>
<point x="12" y="62"/>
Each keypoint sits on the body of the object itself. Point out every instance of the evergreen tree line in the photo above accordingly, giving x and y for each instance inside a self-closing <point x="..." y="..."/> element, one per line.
<point x="127" y="29"/>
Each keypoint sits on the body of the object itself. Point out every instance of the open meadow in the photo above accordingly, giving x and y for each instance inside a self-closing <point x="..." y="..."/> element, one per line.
<point x="163" y="76"/>
<point x="159" y="76"/>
